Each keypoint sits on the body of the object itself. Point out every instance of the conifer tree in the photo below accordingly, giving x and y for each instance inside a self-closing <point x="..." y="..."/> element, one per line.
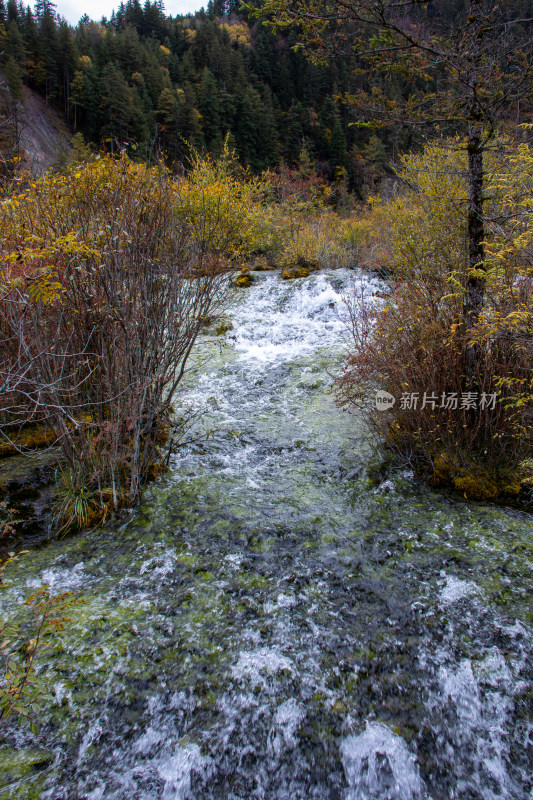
<point x="268" y="149"/>
<point x="67" y="59"/>
<point x="116" y="106"/>
<point x="14" y="46"/>
<point x="294" y="132"/>
<point x="209" y="108"/>
<point x="12" y="11"/>
<point x="48" y="40"/>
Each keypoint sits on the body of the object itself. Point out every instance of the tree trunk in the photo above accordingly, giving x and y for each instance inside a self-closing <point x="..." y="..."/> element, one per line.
<point x="475" y="285"/>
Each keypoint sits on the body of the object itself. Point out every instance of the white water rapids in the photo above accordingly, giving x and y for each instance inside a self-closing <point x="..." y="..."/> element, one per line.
<point x="285" y="617"/>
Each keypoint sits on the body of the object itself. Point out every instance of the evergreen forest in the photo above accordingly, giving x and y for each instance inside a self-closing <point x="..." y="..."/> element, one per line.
<point x="156" y="85"/>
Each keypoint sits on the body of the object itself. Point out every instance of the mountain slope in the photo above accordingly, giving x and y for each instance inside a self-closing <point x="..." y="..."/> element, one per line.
<point x="44" y="137"/>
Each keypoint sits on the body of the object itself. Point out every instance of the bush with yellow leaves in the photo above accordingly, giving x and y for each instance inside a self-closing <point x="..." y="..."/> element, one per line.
<point x="108" y="273"/>
<point x="474" y="431"/>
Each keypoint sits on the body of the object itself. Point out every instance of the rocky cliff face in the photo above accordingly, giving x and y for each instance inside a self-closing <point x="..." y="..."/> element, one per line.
<point x="44" y="137"/>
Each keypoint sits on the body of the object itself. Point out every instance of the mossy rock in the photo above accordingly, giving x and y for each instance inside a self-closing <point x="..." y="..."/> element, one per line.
<point x="473" y="481"/>
<point x="262" y="265"/>
<point x="295" y="272"/>
<point x="477" y="486"/>
<point x="301" y="268"/>
<point x="244" y="280"/>
<point x="16" y="765"/>
<point x="156" y="469"/>
<point x="340" y="707"/>
<point x="224" y="327"/>
<point x="513" y="487"/>
<point x="33" y="437"/>
<point x="442" y="470"/>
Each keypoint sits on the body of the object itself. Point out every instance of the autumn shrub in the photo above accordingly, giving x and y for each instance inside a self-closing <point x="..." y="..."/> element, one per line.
<point x="473" y="430"/>
<point x="109" y="272"/>
<point x="223" y="208"/>
<point x="304" y="231"/>
<point x="369" y="236"/>
<point x="319" y="242"/>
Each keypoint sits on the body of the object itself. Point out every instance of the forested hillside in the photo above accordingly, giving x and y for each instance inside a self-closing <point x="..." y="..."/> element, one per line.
<point x="159" y="84"/>
<point x="163" y="85"/>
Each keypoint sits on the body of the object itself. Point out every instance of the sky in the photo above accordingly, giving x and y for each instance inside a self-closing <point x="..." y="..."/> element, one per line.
<point x="72" y="10"/>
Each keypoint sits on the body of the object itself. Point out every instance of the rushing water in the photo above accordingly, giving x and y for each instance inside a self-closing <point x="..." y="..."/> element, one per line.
<point x="278" y="620"/>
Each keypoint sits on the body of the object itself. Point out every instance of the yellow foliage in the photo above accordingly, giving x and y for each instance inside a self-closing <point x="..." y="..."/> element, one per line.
<point x="224" y="208"/>
<point x="239" y="33"/>
<point x="319" y="240"/>
<point x="418" y="343"/>
<point x="48" y="224"/>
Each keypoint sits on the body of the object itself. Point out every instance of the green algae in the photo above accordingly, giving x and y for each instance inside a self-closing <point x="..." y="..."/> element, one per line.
<point x="21" y="772"/>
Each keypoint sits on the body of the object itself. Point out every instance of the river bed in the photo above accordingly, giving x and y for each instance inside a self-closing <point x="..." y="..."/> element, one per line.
<point x="282" y="618"/>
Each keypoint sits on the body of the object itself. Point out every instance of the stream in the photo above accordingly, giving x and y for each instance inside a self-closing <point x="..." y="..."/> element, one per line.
<point x="284" y="617"/>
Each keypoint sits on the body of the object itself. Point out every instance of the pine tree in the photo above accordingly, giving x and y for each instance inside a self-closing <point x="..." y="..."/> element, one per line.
<point x="48" y="40"/>
<point x="12" y="11"/>
<point x="294" y="136"/>
<point x="116" y="106"/>
<point x="167" y="117"/>
<point x="134" y="15"/>
<point x="267" y="146"/>
<point x="67" y="59"/>
<point x="30" y="35"/>
<point x="209" y="108"/>
<point x="14" y="45"/>
<point x="130" y="54"/>
<point x="190" y="132"/>
<point x="337" y="150"/>
<point x="15" y="85"/>
<point x="246" y="129"/>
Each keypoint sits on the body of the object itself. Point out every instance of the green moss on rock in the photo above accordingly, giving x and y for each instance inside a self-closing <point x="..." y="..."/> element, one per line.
<point x="17" y="765"/>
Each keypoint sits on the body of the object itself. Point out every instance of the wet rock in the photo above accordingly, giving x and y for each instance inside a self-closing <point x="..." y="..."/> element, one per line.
<point x="244" y="280"/>
<point x="263" y="265"/>
<point x="27" y="485"/>
<point x="295" y="272"/>
<point x="17" y="765"/>
<point x="224" y="327"/>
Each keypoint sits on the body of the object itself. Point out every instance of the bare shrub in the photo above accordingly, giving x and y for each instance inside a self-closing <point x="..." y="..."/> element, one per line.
<point x="109" y="274"/>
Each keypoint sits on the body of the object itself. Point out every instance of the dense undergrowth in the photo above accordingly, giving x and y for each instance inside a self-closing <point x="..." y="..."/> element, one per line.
<point x="473" y="430"/>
